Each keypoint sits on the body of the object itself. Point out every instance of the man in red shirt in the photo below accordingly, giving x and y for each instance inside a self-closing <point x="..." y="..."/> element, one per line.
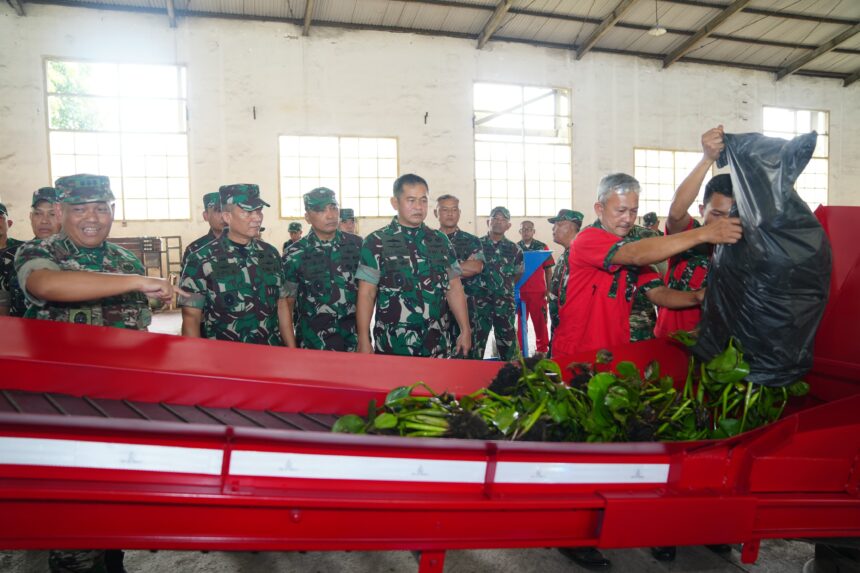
<point x="688" y="271"/>
<point x="606" y="269"/>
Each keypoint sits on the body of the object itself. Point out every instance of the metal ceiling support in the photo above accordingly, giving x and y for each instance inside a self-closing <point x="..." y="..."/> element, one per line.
<point x="494" y="22"/>
<point x="851" y="79"/>
<point x="820" y="50"/>
<point x="604" y="27"/>
<point x="309" y="14"/>
<point x="171" y="13"/>
<point x="765" y="12"/>
<point x="705" y="31"/>
<point x="18" y="6"/>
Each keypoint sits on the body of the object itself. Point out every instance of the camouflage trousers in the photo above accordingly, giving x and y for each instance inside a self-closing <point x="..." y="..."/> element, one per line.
<point x="453" y="329"/>
<point x="85" y="561"/>
<point x="497" y="314"/>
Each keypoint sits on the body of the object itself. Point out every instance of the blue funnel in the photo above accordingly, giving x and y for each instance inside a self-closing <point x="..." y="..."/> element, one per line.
<point x="532" y="261"/>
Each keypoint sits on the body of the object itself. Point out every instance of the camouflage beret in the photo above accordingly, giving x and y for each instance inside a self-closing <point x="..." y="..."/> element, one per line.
<point x="212" y="200"/>
<point x="347" y="214"/>
<point x="84" y="188"/>
<point x="49" y="194"/>
<point x="245" y="195"/>
<point x="649" y="218"/>
<point x="294" y="227"/>
<point x="4" y="212"/>
<point x="567" y="215"/>
<point x="319" y="198"/>
<point x="503" y="211"/>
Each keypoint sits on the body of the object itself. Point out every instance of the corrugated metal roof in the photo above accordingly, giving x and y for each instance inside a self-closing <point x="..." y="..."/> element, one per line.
<point x="765" y="34"/>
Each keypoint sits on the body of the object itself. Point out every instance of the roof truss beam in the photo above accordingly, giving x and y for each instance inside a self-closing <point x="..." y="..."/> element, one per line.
<point x="704" y="32"/>
<point x="851" y="79"/>
<point x="494" y="22"/>
<point x="171" y="13"/>
<point x="18" y="6"/>
<point x="604" y="27"/>
<point x="766" y="12"/>
<point x="309" y="14"/>
<point x="819" y="51"/>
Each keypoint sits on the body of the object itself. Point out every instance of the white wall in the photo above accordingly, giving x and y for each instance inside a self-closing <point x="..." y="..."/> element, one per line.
<point x="339" y="82"/>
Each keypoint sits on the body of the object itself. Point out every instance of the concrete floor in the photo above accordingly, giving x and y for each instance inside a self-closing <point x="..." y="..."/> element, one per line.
<point x="777" y="556"/>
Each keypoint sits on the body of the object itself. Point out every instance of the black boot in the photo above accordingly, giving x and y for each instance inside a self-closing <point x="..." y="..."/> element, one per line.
<point x="113" y="561"/>
<point x="666" y="553"/>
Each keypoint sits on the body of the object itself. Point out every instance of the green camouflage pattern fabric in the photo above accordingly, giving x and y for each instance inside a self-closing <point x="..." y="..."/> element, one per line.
<point x="412" y="269"/>
<point x="84" y="188"/>
<point x="317" y="200"/>
<point x="294" y="227"/>
<point x="698" y="257"/>
<point x="643" y="315"/>
<point x="346" y="214"/>
<point x="567" y="215"/>
<point x="59" y="253"/>
<point x="197" y="243"/>
<point x="50" y="194"/>
<point x="245" y="195"/>
<point x="467" y="247"/>
<point x="11" y="243"/>
<point x="237" y="287"/>
<point x="287" y="245"/>
<point x="211" y="200"/>
<point x="558" y="287"/>
<point x="320" y="275"/>
<point x="11" y="295"/>
<point x="494" y="299"/>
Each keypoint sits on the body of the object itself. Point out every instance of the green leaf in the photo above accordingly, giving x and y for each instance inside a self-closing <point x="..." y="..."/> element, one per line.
<point x="371" y="410"/>
<point x="684" y="337"/>
<point x="385" y="421"/>
<point x="547" y="367"/>
<point x="397" y="395"/>
<point x="799" y="388"/>
<point x="349" y="424"/>
<point x="627" y="370"/>
<point x="505" y="419"/>
<point x="731" y="426"/>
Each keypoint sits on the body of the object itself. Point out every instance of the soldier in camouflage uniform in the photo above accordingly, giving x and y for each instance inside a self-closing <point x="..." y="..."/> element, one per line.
<point x="295" y="231"/>
<point x="5" y="222"/>
<point x="212" y="215"/>
<point x="565" y="226"/>
<point x="470" y="255"/>
<point x="347" y="221"/>
<point x="410" y="274"/>
<point x="77" y="276"/>
<point x="652" y="221"/>
<point x="533" y="293"/>
<point x="494" y="301"/>
<point x="320" y="279"/>
<point x="45" y="221"/>
<point x="235" y="284"/>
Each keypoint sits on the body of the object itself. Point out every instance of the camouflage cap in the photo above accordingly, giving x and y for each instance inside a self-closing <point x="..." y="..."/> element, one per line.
<point x="319" y="198"/>
<point x="4" y="212"/>
<point x="84" y="188"/>
<point x="503" y="211"/>
<point x="245" y="195"/>
<point x="49" y="194"/>
<point x="567" y="215"/>
<point x="294" y="227"/>
<point x="347" y="214"/>
<point x="212" y="200"/>
<point x="649" y="218"/>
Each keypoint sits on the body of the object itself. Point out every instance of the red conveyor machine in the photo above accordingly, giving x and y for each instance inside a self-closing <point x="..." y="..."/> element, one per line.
<point x="149" y="441"/>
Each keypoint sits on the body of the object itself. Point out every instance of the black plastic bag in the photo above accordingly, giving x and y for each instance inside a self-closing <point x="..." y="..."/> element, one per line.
<point x="769" y="290"/>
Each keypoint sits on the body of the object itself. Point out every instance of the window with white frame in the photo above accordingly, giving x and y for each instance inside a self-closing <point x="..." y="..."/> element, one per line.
<point x="812" y="185"/>
<point x="361" y="170"/>
<point x="127" y="122"/>
<point x="522" y="149"/>
<point x="660" y="172"/>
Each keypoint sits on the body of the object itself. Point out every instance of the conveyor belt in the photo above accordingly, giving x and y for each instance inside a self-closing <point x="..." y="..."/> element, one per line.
<point x="16" y="401"/>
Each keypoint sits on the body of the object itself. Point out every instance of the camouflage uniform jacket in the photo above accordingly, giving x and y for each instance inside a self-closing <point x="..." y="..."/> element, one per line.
<point x="10" y="291"/>
<point x="467" y="247"/>
<point x="237" y="287"/>
<point x="11" y="244"/>
<point x="643" y="315"/>
<point x="412" y="269"/>
<point x="197" y="243"/>
<point x="683" y="267"/>
<point x="558" y="286"/>
<point x="320" y="275"/>
<point x="59" y="253"/>
<point x="503" y="263"/>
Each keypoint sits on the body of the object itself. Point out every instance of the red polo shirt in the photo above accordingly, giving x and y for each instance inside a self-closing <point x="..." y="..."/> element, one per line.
<point x="687" y="271"/>
<point x="596" y="313"/>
